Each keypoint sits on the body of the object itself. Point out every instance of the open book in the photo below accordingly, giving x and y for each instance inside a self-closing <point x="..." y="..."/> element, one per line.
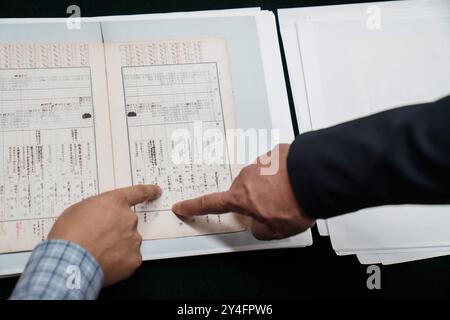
<point x="123" y="101"/>
<point x="58" y="101"/>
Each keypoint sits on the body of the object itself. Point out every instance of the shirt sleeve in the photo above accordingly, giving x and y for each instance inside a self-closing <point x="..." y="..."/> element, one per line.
<point x="59" y="269"/>
<point x="398" y="156"/>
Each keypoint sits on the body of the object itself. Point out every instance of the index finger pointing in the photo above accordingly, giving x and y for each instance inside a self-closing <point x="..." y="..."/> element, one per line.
<point x="140" y="193"/>
<point x="214" y="203"/>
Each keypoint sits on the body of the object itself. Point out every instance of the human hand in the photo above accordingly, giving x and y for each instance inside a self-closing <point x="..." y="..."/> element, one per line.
<point x="105" y="226"/>
<point x="268" y="199"/>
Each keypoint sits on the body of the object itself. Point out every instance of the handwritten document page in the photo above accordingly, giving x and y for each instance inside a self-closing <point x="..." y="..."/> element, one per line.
<point x="54" y="136"/>
<point x="158" y="90"/>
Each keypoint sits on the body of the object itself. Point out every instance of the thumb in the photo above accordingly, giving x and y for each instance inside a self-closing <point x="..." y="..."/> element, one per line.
<point x="140" y="193"/>
<point x="261" y="231"/>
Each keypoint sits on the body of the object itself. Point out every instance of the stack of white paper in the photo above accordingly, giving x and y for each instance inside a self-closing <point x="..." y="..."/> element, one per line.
<point x="353" y="60"/>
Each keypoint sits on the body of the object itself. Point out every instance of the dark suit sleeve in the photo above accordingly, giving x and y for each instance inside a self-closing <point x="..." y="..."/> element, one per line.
<point x="394" y="157"/>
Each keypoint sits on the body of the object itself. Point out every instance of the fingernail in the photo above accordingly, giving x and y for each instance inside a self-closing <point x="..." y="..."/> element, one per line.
<point x="176" y="208"/>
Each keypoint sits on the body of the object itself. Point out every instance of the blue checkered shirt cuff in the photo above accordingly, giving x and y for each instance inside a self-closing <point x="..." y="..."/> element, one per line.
<point x="59" y="269"/>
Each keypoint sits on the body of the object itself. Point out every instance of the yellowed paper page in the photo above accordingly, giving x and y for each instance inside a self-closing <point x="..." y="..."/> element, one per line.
<point x="55" y="144"/>
<point x="159" y="90"/>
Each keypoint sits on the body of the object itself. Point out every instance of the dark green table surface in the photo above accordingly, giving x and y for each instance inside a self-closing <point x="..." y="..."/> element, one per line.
<point x="314" y="272"/>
